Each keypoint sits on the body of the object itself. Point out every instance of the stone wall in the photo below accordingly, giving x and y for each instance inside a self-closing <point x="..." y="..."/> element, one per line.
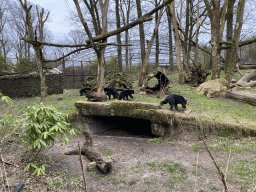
<point x="16" y="86"/>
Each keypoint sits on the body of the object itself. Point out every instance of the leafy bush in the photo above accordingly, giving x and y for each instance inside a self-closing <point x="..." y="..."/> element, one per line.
<point x="42" y="124"/>
<point x="5" y="99"/>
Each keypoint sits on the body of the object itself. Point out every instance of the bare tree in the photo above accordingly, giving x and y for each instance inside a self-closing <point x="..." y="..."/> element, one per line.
<point x="118" y="36"/>
<point x="149" y="46"/>
<point x="142" y="34"/>
<point x="235" y="41"/>
<point x="37" y="48"/>
<point x="182" y="78"/>
<point x="125" y="8"/>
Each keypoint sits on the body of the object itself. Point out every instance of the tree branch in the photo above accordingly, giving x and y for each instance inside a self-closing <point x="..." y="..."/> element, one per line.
<point x="241" y="43"/>
<point x="52" y="44"/>
<point x="77" y="50"/>
<point x="144" y="18"/>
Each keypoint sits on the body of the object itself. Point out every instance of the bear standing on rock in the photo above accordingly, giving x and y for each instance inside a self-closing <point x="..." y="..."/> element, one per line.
<point x="174" y="100"/>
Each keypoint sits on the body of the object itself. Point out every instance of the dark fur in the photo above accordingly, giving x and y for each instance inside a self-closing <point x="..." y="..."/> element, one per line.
<point x="174" y="100"/>
<point x="125" y="93"/>
<point x="83" y="91"/>
<point x="110" y="91"/>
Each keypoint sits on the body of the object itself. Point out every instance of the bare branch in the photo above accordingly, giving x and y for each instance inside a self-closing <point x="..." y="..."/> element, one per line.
<point x="77" y="50"/>
<point x="219" y="171"/>
<point x="52" y="44"/>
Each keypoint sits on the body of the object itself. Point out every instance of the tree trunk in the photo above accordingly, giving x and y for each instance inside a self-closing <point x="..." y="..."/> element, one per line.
<point x="235" y="41"/>
<point x="101" y="70"/>
<point x="229" y="18"/>
<point x="119" y="48"/>
<point x="182" y="78"/>
<point x="214" y="14"/>
<point x="149" y="46"/>
<point x="141" y="29"/>
<point x="171" y="65"/>
<point x="157" y="39"/>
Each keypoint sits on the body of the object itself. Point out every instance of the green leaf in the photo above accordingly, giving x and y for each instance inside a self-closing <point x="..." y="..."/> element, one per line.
<point x="27" y="167"/>
<point x="44" y="144"/>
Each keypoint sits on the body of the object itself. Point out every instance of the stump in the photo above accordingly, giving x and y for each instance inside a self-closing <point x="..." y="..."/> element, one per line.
<point x="163" y="85"/>
<point x="197" y="75"/>
<point x="95" y="96"/>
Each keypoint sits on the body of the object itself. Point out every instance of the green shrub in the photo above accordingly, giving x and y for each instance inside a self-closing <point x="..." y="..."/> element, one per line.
<point x="42" y="124"/>
<point x="5" y="99"/>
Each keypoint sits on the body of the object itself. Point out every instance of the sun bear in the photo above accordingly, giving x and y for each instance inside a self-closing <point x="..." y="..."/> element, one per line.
<point x="83" y="91"/>
<point x="125" y="93"/>
<point x="110" y="91"/>
<point x="174" y="100"/>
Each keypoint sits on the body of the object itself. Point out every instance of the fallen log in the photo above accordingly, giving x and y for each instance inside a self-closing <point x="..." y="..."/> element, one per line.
<point x="248" y="80"/>
<point x="242" y="96"/>
<point x="247" y="66"/>
<point x="95" y="96"/>
<point x="103" y="163"/>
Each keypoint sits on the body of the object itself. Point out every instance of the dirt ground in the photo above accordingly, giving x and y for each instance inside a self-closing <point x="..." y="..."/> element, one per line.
<point x="140" y="164"/>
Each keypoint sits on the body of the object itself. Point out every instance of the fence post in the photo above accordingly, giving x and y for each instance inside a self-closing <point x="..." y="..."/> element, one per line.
<point x="73" y="75"/>
<point x="64" y="73"/>
<point x="82" y="72"/>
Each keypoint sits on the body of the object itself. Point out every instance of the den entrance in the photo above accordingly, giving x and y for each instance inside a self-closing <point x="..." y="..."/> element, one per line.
<point x="120" y="126"/>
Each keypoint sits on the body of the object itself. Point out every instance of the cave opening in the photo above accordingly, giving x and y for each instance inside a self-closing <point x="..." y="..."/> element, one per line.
<point x="120" y="126"/>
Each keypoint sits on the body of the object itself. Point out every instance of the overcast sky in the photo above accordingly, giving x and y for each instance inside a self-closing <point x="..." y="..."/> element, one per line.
<point x="59" y="12"/>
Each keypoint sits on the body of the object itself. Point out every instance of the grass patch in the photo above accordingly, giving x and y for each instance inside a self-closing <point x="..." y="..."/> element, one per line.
<point x="132" y="182"/>
<point x="147" y="182"/>
<point x="244" y="172"/>
<point x="236" y="146"/>
<point x="107" y="152"/>
<point x="155" y="141"/>
<point x="198" y="147"/>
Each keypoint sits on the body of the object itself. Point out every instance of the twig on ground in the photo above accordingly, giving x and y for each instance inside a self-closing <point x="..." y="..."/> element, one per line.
<point x="9" y="163"/>
<point x="2" y="177"/>
<point x="196" y="170"/>
<point x="82" y="167"/>
<point x="4" y="171"/>
<point x="219" y="171"/>
<point x="226" y="171"/>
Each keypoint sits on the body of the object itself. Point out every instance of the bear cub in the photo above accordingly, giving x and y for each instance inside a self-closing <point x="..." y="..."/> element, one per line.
<point x="110" y="91"/>
<point x="83" y="91"/>
<point x="125" y="93"/>
<point x="174" y="100"/>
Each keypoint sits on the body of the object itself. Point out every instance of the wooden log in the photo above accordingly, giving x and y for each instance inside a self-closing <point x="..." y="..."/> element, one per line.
<point x="247" y="66"/>
<point x="103" y="163"/>
<point x="112" y="84"/>
<point x="248" y="80"/>
<point x="242" y="96"/>
<point x="95" y="96"/>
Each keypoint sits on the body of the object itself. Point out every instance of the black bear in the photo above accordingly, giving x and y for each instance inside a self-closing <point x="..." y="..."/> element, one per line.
<point x="83" y="91"/>
<point x="110" y="91"/>
<point x="125" y="93"/>
<point x="174" y="100"/>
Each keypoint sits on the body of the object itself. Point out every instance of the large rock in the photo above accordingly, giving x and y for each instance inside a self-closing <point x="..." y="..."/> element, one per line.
<point x="213" y="88"/>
